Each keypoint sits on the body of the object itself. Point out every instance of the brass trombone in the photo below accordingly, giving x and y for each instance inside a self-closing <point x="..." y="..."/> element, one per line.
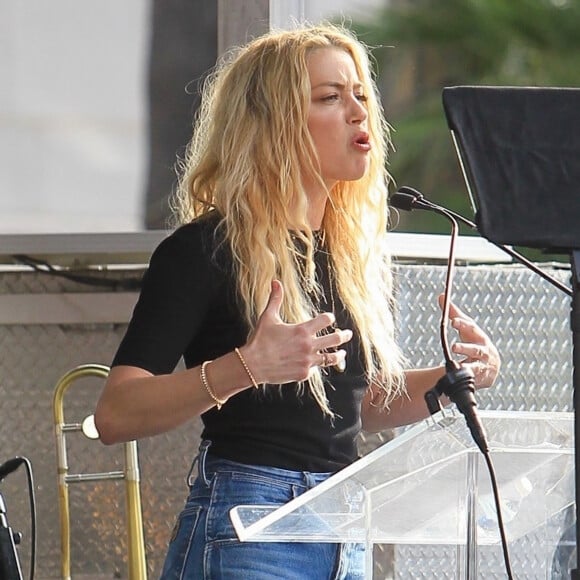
<point x="136" y="557"/>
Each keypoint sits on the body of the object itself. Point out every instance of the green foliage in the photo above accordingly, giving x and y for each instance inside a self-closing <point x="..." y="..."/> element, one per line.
<point x="422" y="46"/>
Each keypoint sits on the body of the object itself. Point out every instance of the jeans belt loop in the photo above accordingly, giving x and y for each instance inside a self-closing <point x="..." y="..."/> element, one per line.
<point x="200" y="460"/>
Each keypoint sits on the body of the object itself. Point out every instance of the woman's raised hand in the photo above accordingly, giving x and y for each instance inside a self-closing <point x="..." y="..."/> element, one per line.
<point x="279" y="353"/>
<point x="481" y="354"/>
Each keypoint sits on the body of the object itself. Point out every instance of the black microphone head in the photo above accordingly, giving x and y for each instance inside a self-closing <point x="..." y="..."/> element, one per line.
<point x="410" y="191"/>
<point x="403" y="201"/>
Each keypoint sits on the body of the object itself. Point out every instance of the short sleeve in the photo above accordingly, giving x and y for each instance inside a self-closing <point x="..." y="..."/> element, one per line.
<point x="175" y="297"/>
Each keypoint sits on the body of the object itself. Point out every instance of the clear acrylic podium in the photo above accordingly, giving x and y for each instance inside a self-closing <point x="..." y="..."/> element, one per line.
<point x="430" y="485"/>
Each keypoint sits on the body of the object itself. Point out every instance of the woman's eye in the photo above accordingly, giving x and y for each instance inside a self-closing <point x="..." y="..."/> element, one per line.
<point x="330" y="98"/>
<point x="361" y="98"/>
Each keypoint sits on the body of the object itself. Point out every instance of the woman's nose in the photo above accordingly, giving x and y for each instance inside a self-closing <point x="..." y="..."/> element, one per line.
<point x="358" y="111"/>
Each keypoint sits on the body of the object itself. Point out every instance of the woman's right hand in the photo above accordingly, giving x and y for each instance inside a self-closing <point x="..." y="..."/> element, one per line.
<point x="280" y="353"/>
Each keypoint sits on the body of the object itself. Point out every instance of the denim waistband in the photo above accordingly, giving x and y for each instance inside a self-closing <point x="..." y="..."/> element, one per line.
<point x="208" y="464"/>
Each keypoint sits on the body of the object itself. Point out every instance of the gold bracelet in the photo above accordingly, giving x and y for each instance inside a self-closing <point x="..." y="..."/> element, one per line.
<point x="205" y="383"/>
<point x="246" y="367"/>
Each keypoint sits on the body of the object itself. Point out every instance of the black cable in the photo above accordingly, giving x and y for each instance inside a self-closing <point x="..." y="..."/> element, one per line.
<point x="500" y="524"/>
<point x="45" y="268"/>
<point x="32" y="504"/>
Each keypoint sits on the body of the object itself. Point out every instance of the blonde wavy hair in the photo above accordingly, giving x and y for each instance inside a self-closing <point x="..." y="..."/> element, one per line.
<point x="249" y="148"/>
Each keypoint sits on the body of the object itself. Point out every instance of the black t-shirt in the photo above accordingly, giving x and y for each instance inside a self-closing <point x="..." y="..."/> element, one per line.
<point x="188" y="307"/>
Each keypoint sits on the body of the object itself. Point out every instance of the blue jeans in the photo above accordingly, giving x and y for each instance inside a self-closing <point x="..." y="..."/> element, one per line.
<point x="204" y="545"/>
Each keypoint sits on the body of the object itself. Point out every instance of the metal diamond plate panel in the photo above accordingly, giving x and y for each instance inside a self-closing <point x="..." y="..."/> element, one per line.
<point x="528" y="319"/>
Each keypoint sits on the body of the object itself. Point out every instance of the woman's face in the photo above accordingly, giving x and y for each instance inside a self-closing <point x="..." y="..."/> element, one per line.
<point x="337" y="119"/>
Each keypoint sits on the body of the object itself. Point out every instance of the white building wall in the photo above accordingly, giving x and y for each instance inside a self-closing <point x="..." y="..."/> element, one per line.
<point x="71" y="114"/>
<point x="73" y="110"/>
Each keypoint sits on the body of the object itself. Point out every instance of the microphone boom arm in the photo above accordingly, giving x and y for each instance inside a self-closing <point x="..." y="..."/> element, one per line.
<point x="410" y="199"/>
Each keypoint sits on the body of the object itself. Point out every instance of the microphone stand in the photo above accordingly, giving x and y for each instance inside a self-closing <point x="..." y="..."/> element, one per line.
<point x="407" y="198"/>
<point x="458" y="383"/>
<point x="9" y="563"/>
<point x="410" y="199"/>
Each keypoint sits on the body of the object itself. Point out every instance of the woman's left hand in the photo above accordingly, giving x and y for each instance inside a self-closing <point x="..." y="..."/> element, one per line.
<point x="481" y="355"/>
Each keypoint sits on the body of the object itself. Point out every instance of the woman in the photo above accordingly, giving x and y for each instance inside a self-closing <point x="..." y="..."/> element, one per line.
<point x="277" y="292"/>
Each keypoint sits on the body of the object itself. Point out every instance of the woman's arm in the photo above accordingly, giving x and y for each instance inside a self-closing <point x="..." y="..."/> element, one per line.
<point x="134" y="403"/>
<point x="408" y="408"/>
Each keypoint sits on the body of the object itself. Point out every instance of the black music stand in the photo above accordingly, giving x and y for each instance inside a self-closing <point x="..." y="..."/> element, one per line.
<point x="519" y="149"/>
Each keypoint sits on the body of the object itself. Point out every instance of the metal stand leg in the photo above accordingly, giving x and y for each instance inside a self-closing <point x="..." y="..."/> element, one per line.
<point x="575" y="324"/>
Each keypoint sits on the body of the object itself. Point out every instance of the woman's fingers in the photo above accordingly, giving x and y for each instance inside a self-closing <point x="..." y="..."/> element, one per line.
<point x="335" y="358"/>
<point x="283" y="352"/>
<point x="332" y="340"/>
<point x="469" y="330"/>
<point x="482" y="359"/>
<point x="475" y="345"/>
<point x="475" y="352"/>
<point x="275" y="300"/>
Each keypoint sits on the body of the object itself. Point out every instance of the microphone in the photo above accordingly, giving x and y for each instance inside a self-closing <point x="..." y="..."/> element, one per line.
<point x="408" y="199"/>
<point x="458" y="382"/>
<point x="9" y="466"/>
